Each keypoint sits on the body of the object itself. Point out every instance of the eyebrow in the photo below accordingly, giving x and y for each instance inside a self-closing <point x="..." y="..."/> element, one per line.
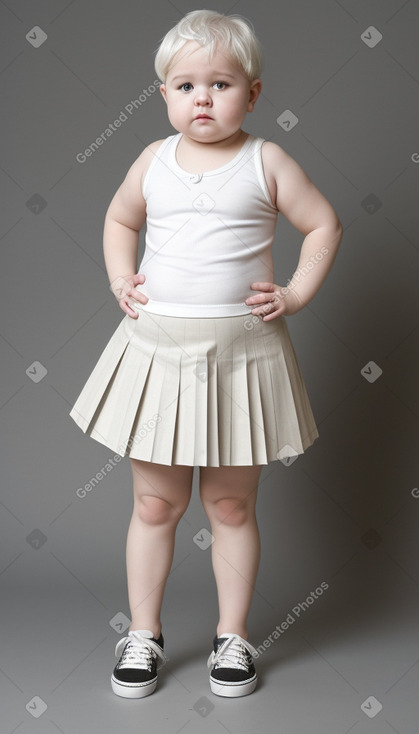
<point x="215" y="73"/>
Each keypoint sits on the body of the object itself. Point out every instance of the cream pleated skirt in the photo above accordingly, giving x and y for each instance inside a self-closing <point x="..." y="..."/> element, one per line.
<point x="224" y="391"/>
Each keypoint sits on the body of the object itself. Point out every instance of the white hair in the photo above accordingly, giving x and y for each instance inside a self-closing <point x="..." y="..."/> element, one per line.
<point x="211" y="29"/>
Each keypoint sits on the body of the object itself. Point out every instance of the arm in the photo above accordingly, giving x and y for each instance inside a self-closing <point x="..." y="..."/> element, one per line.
<point x="124" y="218"/>
<point x="298" y="199"/>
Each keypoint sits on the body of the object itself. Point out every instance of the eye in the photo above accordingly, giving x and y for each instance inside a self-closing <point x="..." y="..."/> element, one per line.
<point x="223" y="85"/>
<point x="186" y="84"/>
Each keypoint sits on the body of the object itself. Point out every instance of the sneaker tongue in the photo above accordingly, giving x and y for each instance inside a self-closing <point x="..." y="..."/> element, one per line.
<point x="145" y="633"/>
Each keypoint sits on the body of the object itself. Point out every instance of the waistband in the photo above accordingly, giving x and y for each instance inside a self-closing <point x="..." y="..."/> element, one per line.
<point x="196" y="310"/>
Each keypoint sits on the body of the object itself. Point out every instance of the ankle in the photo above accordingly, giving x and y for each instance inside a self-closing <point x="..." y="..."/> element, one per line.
<point x="233" y="629"/>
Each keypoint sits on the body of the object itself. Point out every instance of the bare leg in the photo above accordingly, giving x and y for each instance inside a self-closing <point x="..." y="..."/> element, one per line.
<point x="161" y="496"/>
<point x="228" y="494"/>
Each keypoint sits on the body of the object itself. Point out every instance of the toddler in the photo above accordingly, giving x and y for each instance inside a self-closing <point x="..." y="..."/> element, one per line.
<point x="201" y="371"/>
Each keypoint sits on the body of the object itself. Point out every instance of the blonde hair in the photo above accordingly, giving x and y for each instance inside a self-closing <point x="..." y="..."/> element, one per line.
<point x="210" y="29"/>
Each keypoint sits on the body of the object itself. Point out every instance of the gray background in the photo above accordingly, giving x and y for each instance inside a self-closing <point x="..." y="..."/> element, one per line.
<point x="345" y="513"/>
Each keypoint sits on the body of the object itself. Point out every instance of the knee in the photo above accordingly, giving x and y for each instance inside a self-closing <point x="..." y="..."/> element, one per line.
<point x="156" y="511"/>
<point x="232" y="512"/>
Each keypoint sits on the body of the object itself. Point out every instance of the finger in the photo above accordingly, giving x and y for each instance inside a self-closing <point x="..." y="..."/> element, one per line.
<point x="274" y="315"/>
<point x="141" y="299"/>
<point x="267" y="304"/>
<point x="271" y="316"/>
<point x="135" y="295"/>
<point x="129" y="309"/>
<point x="129" y="312"/>
<point x="263" y="286"/>
<point x="270" y="308"/>
<point x="260" y="298"/>
<point x="132" y="301"/>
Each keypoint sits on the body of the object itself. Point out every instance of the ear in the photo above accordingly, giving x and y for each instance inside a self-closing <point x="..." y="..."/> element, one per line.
<point x="254" y="92"/>
<point x="163" y="91"/>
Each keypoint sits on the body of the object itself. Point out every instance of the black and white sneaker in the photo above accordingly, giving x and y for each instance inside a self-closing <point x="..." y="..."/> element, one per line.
<point x="232" y="672"/>
<point x="135" y="674"/>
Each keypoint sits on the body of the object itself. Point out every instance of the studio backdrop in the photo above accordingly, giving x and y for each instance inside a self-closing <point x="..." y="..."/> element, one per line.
<point x="80" y="101"/>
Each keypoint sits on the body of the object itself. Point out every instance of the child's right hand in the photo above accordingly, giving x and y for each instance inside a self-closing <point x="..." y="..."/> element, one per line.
<point x="125" y="292"/>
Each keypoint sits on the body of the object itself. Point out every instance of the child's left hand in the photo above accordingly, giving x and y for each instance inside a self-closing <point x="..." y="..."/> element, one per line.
<point x="275" y="301"/>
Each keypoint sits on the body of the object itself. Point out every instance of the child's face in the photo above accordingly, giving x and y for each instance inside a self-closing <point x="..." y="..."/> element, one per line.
<point x="219" y="89"/>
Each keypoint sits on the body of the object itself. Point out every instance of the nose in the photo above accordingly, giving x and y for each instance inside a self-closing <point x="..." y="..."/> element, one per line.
<point x="202" y="97"/>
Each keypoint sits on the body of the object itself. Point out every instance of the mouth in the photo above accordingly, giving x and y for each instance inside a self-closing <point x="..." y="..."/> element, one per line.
<point x="203" y="117"/>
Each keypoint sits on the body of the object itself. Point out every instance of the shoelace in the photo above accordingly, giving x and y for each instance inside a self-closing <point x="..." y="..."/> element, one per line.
<point x="139" y="652"/>
<point x="231" y="653"/>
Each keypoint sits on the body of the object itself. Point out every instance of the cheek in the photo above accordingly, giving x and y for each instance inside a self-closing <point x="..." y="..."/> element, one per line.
<point x="177" y="106"/>
<point x="173" y="111"/>
<point x="235" y="109"/>
<point x="235" y="105"/>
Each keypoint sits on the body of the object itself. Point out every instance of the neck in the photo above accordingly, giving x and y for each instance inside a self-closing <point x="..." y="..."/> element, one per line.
<point x="237" y="137"/>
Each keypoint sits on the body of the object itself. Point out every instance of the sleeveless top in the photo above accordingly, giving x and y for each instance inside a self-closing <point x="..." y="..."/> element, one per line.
<point x="209" y="236"/>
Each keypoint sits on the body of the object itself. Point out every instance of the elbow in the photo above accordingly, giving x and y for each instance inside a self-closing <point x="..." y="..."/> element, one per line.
<point x="339" y="232"/>
<point x="332" y="236"/>
<point x="335" y="225"/>
<point x="336" y="230"/>
<point x="331" y="226"/>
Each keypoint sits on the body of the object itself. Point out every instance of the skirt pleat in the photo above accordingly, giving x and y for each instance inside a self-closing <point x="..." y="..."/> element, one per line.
<point x="101" y="377"/>
<point x="185" y="418"/>
<point x="118" y="406"/>
<point x="241" y="449"/>
<point x="201" y="372"/>
<point x="222" y="391"/>
<point x="257" y="425"/>
<point x="212" y="428"/>
<point x="164" y="434"/>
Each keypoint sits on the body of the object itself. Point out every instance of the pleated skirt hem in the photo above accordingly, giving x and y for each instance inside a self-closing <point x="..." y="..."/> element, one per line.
<point x="224" y="391"/>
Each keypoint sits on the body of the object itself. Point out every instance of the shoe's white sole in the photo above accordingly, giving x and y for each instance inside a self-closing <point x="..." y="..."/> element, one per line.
<point x="133" y="690"/>
<point x="233" y="690"/>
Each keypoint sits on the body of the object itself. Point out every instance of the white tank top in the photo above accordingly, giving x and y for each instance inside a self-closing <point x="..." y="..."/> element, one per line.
<point x="209" y="236"/>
